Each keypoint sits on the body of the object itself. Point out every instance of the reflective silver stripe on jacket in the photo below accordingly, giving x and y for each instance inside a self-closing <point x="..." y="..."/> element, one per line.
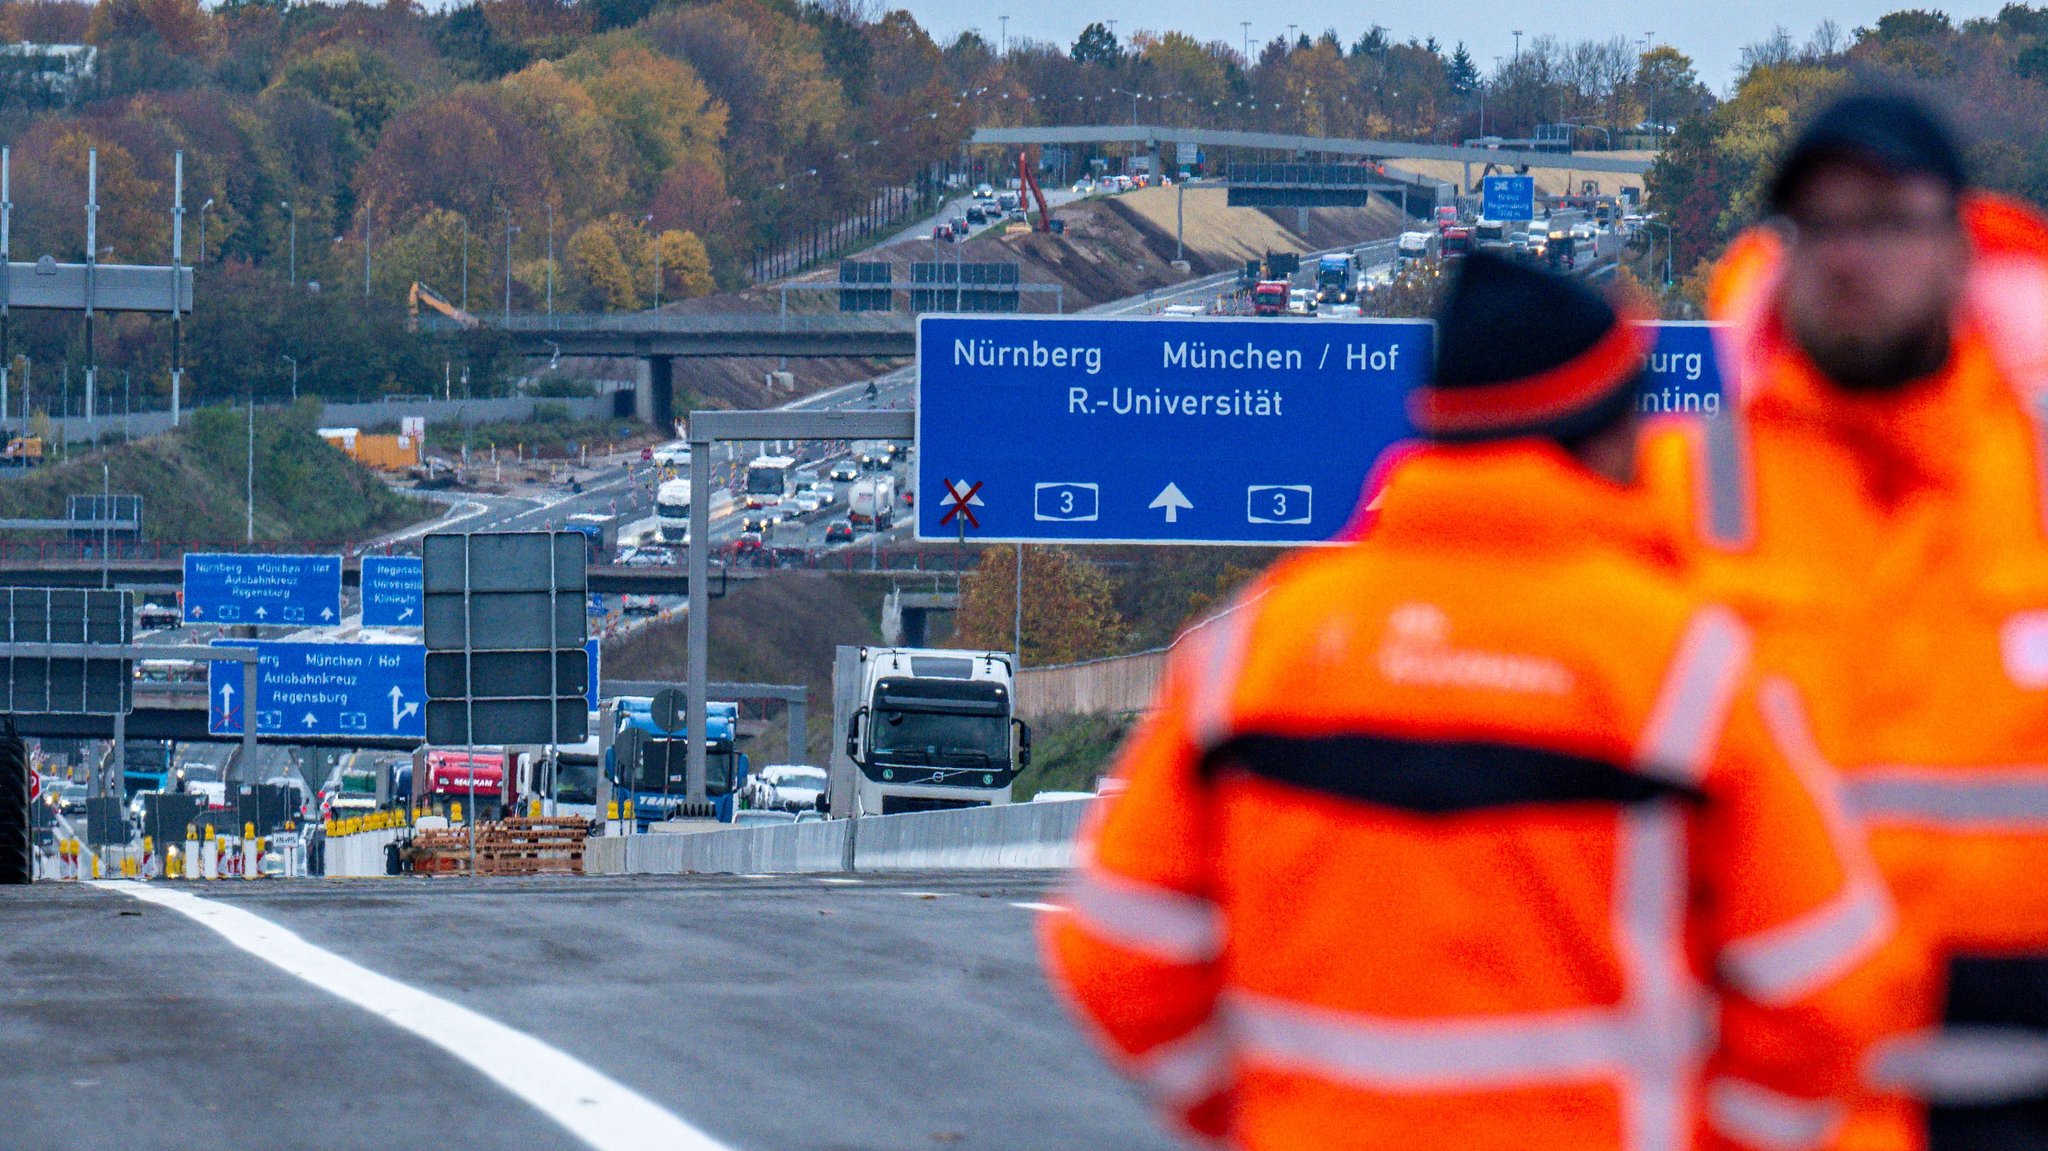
<point x="1186" y="1070"/>
<point x="1649" y="1045"/>
<point x="1693" y="703"/>
<point x="1727" y="517"/>
<point x="1964" y="1066"/>
<point x="1959" y="798"/>
<point x="1790" y="961"/>
<point x="1167" y="924"/>
<point x="1761" y="1117"/>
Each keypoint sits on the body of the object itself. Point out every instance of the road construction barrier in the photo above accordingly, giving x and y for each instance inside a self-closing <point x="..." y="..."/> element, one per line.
<point x="1004" y="837"/>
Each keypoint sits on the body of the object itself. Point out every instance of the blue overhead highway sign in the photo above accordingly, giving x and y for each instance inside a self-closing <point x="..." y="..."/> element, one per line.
<point x="1157" y="430"/>
<point x="1507" y="197"/>
<point x="323" y="689"/>
<point x="391" y="591"/>
<point x="1683" y="375"/>
<point x="280" y="590"/>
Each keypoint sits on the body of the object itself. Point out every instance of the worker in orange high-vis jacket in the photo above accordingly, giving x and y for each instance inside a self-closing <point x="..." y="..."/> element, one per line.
<point x="1872" y="505"/>
<point x="1475" y="834"/>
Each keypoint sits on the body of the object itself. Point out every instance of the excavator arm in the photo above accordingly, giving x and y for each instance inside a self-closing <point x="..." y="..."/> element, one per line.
<point x="1028" y="181"/>
<point x="421" y="294"/>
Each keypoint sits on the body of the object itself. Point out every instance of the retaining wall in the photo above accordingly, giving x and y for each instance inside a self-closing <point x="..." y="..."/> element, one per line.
<point x="1114" y="686"/>
<point x="1011" y="836"/>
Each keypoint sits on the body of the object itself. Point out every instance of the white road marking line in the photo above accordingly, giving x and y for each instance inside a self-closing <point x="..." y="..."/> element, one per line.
<point x="920" y="894"/>
<point x="1039" y="906"/>
<point x="835" y="879"/>
<point x="602" y="1112"/>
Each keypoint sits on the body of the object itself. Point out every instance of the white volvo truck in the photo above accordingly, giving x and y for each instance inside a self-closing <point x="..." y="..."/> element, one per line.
<point x="934" y="729"/>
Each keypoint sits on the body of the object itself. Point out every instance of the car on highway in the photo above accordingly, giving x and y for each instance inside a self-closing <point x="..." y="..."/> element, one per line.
<point x="676" y="455"/>
<point x="789" y="786"/>
<point x="844" y="472"/>
<point x="648" y="557"/>
<point x="203" y="780"/>
<point x="302" y="799"/>
<point x="151" y="616"/>
<point x="68" y="798"/>
<point x="759" y="525"/>
<point x="841" y="532"/>
<point x="747" y="545"/>
<point x="825" y="492"/>
<point x="632" y="604"/>
<point x="807" y="503"/>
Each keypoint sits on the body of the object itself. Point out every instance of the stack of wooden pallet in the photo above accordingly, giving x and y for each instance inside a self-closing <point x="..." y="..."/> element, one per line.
<point x="440" y="852"/>
<point x="537" y="846"/>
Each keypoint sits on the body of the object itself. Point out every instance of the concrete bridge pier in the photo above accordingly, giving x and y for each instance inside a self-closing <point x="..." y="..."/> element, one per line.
<point x="654" y="392"/>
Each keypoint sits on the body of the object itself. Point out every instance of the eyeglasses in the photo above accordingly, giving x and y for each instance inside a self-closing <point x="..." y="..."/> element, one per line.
<point x="1876" y="229"/>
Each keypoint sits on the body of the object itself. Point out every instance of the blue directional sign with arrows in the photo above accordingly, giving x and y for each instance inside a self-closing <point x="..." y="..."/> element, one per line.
<point x="392" y="594"/>
<point x="1156" y="430"/>
<point x="1508" y="197"/>
<point x="280" y="590"/>
<point x="323" y="689"/>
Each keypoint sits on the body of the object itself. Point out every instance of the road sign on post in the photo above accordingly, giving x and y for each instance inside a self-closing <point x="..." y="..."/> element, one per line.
<point x="1508" y="197"/>
<point x="284" y="590"/>
<point x="505" y="636"/>
<point x="1197" y="430"/>
<point x="66" y="685"/>
<point x="322" y="689"/>
<point x="391" y="591"/>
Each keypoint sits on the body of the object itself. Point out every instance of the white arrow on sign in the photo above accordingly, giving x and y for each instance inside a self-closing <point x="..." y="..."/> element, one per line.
<point x="327" y="613"/>
<point x="198" y="610"/>
<point x="1174" y="501"/>
<point x="309" y="720"/>
<point x="399" y="708"/>
<point x="262" y="613"/>
<point x="227" y="698"/>
<point x="406" y="614"/>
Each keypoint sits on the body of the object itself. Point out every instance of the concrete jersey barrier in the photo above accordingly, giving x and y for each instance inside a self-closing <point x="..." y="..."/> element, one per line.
<point x="1007" y="837"/>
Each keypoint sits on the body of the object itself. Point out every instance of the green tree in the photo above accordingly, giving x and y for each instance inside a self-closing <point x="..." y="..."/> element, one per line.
<point x="361" y="85"/>
<point x="1097" y="45"/>
<point x="1460" y="73"/>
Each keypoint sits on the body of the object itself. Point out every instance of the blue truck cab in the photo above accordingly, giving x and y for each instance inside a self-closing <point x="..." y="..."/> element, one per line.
<point x="653" y="770"/>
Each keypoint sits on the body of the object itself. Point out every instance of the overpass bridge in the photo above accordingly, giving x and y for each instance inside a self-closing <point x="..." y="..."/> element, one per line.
<point x="1151" y="137"/>
<point x="657" y="339"/>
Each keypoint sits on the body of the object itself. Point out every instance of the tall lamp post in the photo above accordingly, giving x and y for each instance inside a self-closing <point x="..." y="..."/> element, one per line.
<point x="294" y="362"/>
<point x="294" y="264"/>
<point x="203" y="210"/>
<point x="509" y="232"/>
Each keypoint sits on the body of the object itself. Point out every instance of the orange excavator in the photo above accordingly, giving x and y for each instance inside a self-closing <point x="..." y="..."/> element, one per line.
<point x="1027" y="182"/>
<point x="421" y="294"/>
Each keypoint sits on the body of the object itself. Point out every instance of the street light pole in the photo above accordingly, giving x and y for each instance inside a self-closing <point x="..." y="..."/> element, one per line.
<point x="293" y="361"/>
<point x="509" y="230"/>
<point x="551" y="257"/>
<point x="294" y="264"/>
<point x="251" y="536"/>
<point x="203" y="209"/>
<point x="465" y="263"/>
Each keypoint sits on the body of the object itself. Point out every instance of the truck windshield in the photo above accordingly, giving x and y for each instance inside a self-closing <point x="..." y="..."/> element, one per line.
<point x="664" y="769"/>
<point x="577" y="781"/>
<point x="669" y="509"/>
<point x="934" y="738"/>
<point x="766" y="481"/>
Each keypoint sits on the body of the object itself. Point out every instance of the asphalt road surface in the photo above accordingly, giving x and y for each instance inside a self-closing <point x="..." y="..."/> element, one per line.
<point x="712" y="1013"/>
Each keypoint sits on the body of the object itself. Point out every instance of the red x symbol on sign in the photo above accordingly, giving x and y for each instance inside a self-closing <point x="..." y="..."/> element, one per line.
<point x="960" y="496"/>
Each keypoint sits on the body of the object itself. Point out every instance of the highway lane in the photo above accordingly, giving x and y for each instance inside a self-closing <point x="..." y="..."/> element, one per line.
<point x="787" y="1012"/>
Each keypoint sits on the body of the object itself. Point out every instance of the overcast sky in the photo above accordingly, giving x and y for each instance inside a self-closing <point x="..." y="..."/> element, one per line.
<point x="1711" y="33"/>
